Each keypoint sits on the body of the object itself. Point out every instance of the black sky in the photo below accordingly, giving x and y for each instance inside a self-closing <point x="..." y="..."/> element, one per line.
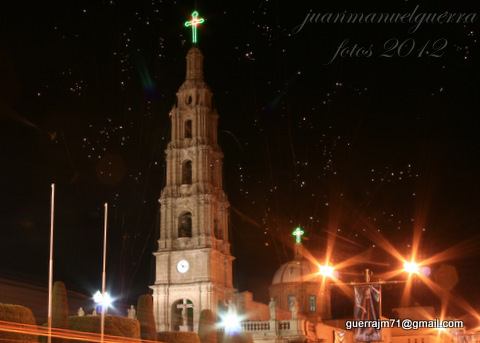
<point x="360" y="143"/>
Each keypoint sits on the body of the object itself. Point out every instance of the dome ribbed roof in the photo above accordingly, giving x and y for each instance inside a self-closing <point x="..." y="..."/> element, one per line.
<point x="298" y="270"/>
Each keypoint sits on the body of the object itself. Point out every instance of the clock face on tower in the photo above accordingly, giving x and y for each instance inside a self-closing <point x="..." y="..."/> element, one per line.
<point x="183" y="266"/>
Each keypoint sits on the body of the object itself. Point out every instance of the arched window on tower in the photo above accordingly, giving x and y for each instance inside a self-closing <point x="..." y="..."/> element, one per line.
<point x="185" y="225"/>
<point x="187" y="173"/>
<point x="188" y="129"/>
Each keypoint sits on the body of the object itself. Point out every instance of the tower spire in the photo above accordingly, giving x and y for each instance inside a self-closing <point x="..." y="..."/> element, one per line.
<point x="194" y="64"/>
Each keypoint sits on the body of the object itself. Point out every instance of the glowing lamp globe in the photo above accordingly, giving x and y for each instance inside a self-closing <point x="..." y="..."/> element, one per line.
<point x="411" y="267"/>
<point x="98" y="298"/>
<point x="231" y="323"/>
<point x="326" y="270"/>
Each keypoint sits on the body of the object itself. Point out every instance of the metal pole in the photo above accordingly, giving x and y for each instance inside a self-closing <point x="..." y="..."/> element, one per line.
<point x="102" y="325"/>
<point x="50" y="266"/>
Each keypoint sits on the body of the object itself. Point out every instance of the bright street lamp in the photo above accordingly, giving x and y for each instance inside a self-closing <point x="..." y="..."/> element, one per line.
<point x="99" y="299"/>
<point x="231" y="322"/>
<point x="411" y="267"/>
<point x="326" y="270"/>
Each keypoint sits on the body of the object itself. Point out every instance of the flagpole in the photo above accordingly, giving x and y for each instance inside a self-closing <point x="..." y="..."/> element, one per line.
<point x="50" y="266"/>
<point x="102" y="325"/>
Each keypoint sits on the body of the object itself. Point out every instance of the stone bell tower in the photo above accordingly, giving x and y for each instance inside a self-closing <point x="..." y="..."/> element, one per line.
<point x="193" y="261"/>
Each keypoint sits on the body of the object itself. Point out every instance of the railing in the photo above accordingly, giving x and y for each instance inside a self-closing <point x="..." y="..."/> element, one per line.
<point x="287" y="328"/>
<point x="256" y="326"/>
<point x="265" y="326"/>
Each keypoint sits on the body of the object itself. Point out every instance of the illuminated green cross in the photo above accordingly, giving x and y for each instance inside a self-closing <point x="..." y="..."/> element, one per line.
<point x="193" y="23"/>
<point x="298" y="233"/>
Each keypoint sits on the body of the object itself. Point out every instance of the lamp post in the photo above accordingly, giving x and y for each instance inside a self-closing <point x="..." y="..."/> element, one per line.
<point x="104" y="296"/>
<point x="102" y="300"/>
<point x="50" y="266"/>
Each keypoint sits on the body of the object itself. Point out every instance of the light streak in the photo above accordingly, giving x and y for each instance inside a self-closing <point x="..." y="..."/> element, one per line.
<point x="64" y="333"/>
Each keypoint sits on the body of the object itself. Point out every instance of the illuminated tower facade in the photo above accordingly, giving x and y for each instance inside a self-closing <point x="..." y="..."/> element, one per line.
<point x="193" y="260"/>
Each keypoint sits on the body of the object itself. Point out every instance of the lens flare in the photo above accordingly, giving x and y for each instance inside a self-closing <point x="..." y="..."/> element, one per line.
<point x="426" y="271"/>
<point x="326" y="270"/>
<point x="106" y="301"/>
<point x="411" y="267"/>
<point x="231" y="323"/>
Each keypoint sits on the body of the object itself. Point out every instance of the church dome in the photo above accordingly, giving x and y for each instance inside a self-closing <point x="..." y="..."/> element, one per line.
<point x="298" y="270"/>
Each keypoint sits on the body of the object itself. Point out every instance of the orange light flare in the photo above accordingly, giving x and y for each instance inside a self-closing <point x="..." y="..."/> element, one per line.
<point x="63" y="333"/>
<point x="460" y="250"/>
<point x="305" y="253"/>
<point x="385" y="244"/>
<point x="416" y="270"/>
<point x="382" y="242"/>
<point x="326" y="271"/>
<point x="447" y="297"/>
<point x="379" y="240"/>
<point x="325" y="284"/>
<point x="330" y="275"/>
<point x="358" y="259"/>
<point x="329" y="272"/>
<point x="411" y="267"/>
<point x="361" y="258"/>
<point x="440" y="331"/>
<point x="331" y="238"/>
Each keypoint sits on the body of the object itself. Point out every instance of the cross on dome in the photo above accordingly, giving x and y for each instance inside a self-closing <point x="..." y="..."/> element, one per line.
<point x="298" y="233"/>
<point x="193" y="23"/>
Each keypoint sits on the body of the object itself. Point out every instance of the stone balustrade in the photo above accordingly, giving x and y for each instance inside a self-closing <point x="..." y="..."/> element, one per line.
<point x="278" y="331"/>
<point x="255" y="326"/>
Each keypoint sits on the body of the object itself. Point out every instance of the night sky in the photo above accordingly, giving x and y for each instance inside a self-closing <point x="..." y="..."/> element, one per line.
<point x="352" y="148"/>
